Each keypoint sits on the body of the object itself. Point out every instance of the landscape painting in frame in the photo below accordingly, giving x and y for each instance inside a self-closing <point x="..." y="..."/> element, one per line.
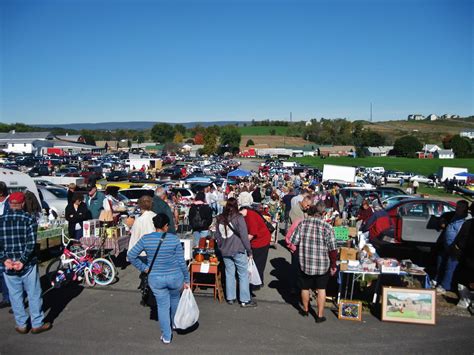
<point x="409" y="305"/>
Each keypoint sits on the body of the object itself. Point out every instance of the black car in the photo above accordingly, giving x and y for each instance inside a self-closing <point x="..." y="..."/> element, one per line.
<point x="136" y="176"/>
<point x="41" y="170"/>
<point x="119" y="175"/>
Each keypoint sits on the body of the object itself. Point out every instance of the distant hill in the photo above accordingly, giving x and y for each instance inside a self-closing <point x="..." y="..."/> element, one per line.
<point x="138" y="125"/>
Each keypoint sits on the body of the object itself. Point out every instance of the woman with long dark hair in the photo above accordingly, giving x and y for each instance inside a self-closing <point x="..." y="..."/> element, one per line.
<point x="233" y="241"/>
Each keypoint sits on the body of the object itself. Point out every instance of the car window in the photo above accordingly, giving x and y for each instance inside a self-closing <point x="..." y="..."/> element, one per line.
<point x="182" y="192"/>
<point x="59" y="193"/>
<point x="414" y="209"/>
<point x="136" y="194"/>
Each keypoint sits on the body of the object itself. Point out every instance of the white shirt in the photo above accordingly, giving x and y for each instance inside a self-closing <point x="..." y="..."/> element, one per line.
<point x="2" y="206"/>
<point x="142" y="225"/>
<point x="106" y="204"/>
<point x="245" y="199"/>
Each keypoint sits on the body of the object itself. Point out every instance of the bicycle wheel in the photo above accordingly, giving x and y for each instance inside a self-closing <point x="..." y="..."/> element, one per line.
<point x="89" y="279"/>
<point x="52" y="269"/>
<point x="103" y="271"/>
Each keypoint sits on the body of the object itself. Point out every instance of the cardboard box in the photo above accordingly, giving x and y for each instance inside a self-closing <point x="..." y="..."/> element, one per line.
<point x="353" y="231"/>
<point x="348" y="254"/>
<point x="343" y="266"/>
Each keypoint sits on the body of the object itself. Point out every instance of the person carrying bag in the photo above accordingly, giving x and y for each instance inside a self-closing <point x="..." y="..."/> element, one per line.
<point x="166" y="271"/>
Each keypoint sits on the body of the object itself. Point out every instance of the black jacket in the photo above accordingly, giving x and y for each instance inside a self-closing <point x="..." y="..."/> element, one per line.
<point x="72" y="216"/>
<point x="206" y="217"/>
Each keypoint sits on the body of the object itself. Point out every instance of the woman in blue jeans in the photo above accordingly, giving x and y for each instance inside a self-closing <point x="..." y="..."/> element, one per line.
<point x="234" y="244"/>
<point x="168" y="275"/>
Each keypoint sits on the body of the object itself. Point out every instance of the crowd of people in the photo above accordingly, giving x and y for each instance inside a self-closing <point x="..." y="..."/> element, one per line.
<point x="238" y="218"/>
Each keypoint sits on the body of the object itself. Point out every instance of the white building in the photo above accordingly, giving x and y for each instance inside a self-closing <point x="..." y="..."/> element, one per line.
<point x="416" y="117"/>
<point x="381" y="151"/>
<point x="467" y="133"/>
<point x="430" y="148"/>
<point x="432" y="117"/>
<point x="444" y="154"/>
<point x="24" y="142"/>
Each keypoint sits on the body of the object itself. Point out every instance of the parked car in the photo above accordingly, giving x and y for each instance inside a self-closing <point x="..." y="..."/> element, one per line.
<point x="41" y="170"/>
<point x="393" y="177"/>
<point x="55" y="196"/>
<point x="172" y="173"/>
<point x="70" y="171"/>
<point x="133" y="194"/>
<point x="184" y="193"/>
<point x="423" y="179"/>
<point x="118" y="175"/>
<point x="387" y="191"/>
<point x="136" y="176"/>
<point x="390" y="201"/>
<point x="416" y="220"/>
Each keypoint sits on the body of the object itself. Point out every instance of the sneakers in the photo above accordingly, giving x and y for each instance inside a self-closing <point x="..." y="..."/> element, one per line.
<point x="248" y="304"/>
<point x="22" y="330"/>
<point x="44" y="328"/>
<point x="464" y="303"/>
<point x="165" y="341"/>
<point x="440" y="289"/>
<point x="230" y="302"/>
<point x="320" y="319"/>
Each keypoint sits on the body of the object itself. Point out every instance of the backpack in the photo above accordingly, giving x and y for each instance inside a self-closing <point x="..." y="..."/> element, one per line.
<point x="197" y="222"/>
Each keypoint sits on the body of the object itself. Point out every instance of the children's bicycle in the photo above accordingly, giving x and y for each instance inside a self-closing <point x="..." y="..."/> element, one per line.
<point x="78" y="264"/>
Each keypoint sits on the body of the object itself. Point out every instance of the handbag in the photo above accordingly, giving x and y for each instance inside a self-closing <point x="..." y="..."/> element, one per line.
<point x="107" y="215"/>
<point x="269" y="225"/>
<point x="148" y="299"/>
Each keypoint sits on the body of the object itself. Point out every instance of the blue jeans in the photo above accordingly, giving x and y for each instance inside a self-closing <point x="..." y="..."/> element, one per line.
<point x="450" y="265"/>
<point x="30" y="283"/>
<point x="4" y="288"/>
<point x="199" y="235"/>
<point x="167" y="289"/>
<point x="239" y="261"/>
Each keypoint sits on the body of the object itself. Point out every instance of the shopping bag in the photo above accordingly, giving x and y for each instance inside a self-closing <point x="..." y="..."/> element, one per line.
<point x="188" y="312"/>
<point x="254" y="276"/>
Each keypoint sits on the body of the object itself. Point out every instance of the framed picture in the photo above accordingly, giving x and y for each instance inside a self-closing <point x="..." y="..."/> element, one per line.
<point x="350" y="310"/>
<point x="409" y="305"/>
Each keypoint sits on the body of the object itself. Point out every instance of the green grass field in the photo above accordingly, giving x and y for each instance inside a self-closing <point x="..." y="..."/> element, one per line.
<point x="262" y="130"/>
<point x="419" y="166"/>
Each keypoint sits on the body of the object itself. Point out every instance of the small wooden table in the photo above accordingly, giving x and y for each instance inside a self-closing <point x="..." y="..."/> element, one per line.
<point x="198" y="268"/>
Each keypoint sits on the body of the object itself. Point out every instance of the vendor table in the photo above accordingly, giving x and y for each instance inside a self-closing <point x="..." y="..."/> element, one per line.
<point x="207" y="268"/>
<point x="117" y="245"/>
<point x="357" y="275"/>
<point x="50" y="233"/>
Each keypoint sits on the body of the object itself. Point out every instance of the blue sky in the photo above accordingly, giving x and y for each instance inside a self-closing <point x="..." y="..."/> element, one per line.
<point x="180" y="61"/>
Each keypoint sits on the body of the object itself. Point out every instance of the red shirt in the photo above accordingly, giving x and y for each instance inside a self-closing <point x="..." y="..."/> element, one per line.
<point x="256" y="227"/>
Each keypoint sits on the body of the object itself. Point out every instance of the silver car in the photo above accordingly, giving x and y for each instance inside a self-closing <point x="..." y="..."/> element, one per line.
<point x="55" y="196"/>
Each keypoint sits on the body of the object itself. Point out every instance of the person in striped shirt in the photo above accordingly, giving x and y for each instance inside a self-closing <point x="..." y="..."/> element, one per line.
<point x="168" y="274"/>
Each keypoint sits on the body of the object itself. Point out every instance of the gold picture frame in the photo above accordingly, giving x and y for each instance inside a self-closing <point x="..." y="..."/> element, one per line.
<point x="350" y="310"/>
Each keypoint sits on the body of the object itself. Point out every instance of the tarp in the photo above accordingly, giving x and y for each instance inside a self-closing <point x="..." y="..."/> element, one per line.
<point x="465" y="174"/>
<point x="239" y="173"/>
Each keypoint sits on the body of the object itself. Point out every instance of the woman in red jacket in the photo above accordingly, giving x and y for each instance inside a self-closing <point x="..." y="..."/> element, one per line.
<point x="259" y="236"/>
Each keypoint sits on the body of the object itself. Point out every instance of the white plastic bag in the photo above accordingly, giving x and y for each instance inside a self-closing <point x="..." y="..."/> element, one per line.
<point x="254" y="276"/>
<point x="188" y="312"/>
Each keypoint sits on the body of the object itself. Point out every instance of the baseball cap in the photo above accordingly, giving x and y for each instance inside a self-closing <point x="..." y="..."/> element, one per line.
<point x="17" y="197"/>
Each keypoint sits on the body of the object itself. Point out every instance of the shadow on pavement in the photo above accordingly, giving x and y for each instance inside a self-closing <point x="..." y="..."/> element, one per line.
<point x="283" y="271"/>
<point x="55" y="300"/>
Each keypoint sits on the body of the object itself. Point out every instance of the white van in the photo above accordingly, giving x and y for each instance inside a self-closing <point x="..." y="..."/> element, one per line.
<point x="378" y="169"/>
<point x="17" y="181"/>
